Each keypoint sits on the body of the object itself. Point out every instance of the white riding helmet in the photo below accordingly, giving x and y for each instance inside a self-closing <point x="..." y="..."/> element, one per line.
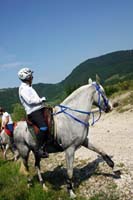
<point x="25" y="74"/>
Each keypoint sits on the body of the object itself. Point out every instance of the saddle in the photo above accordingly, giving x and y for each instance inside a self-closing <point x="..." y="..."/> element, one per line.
<point x="8" y="132"/>
<point x="48" y="118"/>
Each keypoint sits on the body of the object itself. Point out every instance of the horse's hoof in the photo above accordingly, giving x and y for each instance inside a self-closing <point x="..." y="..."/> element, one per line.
<point x="72" y="194"/>
<point x="45" y="188"/>
<point x="29" y="183"/>
<point x="117" y="173"/>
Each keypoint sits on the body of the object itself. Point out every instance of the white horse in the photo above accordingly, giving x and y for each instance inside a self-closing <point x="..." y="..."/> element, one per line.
<point x="71" y="124"/>
<point x="6" y="145"/>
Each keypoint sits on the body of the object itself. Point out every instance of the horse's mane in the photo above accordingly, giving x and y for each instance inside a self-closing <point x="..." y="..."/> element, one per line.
<point x="75" y="93"/>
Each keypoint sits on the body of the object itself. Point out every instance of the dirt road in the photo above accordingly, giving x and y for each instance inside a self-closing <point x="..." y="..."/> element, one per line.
<point x="114" y="134"/>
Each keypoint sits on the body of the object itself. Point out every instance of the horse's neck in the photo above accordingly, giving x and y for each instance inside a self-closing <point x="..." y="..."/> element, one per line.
<point x="80" y="99"/>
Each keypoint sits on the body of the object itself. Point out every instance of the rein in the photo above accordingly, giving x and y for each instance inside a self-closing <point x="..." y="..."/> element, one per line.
<point x="64" y="108"/>
<point x="86" y="124"/>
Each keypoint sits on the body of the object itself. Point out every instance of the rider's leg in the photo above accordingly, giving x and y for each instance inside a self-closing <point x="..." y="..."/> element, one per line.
<point x="37" y="118"/>
<point x="42" y="141"/>
<point x="10" y="127"/>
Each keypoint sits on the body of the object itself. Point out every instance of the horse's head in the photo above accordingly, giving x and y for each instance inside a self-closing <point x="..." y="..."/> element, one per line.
<point x="100" y="99"/>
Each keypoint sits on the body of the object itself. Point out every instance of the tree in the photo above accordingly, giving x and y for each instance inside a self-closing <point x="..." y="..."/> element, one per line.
<point x="18" y="112"/>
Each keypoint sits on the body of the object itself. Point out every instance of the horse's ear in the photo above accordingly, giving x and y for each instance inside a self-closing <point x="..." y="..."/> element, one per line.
<point x="90" y="81"/>
<point x="97" y="79"/>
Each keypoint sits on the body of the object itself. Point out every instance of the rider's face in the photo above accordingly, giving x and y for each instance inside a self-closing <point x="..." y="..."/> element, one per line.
<point x="30" y="80"/>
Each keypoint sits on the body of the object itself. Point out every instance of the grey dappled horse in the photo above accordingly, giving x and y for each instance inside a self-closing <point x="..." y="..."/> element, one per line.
<point x="71" y="125"/>
<point x="5" y="144"/>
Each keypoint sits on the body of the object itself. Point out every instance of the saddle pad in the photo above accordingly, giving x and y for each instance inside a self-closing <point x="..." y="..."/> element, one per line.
<point x="8" y="132"/>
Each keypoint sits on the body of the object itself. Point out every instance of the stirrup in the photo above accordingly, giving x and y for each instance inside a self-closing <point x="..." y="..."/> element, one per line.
<point x="42" y="153"/>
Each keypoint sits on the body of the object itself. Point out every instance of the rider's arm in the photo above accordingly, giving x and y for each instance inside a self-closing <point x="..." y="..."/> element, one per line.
<point x="5" y="120"/>
<point x="30" y="96"/>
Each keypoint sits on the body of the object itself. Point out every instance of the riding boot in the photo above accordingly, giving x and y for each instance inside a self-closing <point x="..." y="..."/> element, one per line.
<point x="41" y="139"/>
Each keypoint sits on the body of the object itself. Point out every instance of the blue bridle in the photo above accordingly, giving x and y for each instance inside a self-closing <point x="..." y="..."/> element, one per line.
<point x="65" y="108"/>
<point x="101" y="94"/>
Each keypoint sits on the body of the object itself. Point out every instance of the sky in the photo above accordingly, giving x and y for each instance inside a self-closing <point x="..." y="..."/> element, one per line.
<point x="52" y="37"/>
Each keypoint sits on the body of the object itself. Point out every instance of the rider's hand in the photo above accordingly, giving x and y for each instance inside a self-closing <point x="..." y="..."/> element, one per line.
<point x="43" y="99"/>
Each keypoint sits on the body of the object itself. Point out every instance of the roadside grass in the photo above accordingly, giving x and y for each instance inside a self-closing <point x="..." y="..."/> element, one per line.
<point x="13" y="186"/>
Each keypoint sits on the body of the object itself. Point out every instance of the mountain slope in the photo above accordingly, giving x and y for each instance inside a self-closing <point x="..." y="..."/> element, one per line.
<point x="106" y="66"/>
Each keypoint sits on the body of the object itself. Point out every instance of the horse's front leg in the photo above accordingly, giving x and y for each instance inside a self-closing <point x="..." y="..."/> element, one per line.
<point x="104" y="155"/>
<point x="98" y="150"/>
<point x="69" y="164"/>
<point x="38" y="169"/>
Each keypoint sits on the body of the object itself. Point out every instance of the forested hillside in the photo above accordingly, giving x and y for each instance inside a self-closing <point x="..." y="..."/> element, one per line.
<point x="112" y="68"/>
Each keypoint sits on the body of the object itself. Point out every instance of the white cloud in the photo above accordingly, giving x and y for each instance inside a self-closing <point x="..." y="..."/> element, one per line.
<point x="10" y="65"/>
<point x="14" y="65"/>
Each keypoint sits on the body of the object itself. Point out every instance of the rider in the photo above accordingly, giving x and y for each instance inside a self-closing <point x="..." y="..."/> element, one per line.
<point x="7" y="123"/>
<point x="34" y="107"/>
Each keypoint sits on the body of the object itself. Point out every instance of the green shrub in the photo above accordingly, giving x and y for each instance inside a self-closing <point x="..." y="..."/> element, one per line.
<point x="18" y="112"/>
<point x="111" y="90"/>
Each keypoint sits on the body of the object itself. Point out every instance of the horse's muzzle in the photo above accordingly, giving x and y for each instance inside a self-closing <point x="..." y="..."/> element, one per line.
<point x="108" y="108"/>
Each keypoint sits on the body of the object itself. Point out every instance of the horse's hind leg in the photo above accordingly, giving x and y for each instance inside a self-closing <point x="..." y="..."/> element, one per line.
<point x="24" y="153"/>
<point x="24" y="168"/>
<point x="5" y="149"/>
<point x="106" y="157"/>
<point x="37" y="166"/>
<point x="69" y="164"/>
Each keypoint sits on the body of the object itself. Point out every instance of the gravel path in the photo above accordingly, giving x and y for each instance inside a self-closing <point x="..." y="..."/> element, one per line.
<point x="114" y="134"/>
